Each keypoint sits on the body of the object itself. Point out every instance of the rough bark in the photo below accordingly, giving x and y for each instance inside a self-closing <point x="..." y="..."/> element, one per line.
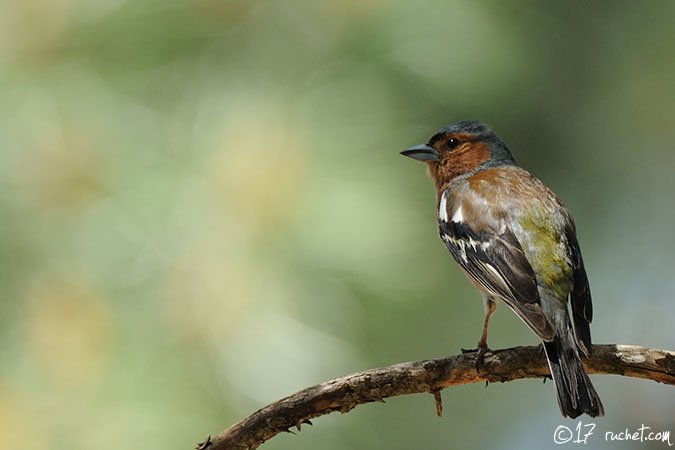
<point x="429" y="376"/>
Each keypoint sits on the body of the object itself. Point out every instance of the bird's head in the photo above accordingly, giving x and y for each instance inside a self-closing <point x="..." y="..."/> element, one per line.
<point x="460" y="148"/>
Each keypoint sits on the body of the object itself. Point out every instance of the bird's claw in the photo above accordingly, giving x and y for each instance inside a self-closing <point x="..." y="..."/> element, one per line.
<point x="480" y="356"/>
<point x="480" y="351"/>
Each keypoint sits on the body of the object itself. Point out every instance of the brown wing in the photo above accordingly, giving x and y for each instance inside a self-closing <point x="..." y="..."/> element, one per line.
<point x="496" y="261"/>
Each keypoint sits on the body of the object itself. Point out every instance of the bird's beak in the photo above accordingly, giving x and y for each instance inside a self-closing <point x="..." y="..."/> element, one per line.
<point x="422" y="152"/>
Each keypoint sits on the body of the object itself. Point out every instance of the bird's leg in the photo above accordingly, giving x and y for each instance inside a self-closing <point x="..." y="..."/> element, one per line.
<point x="490" y="307"/>
<point x="482" y="347"/>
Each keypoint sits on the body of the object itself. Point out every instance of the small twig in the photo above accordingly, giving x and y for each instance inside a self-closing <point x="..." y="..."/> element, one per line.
<point x="439" y="402"/>
<point x="204" y="444"/>
<point x="433" y="375"/>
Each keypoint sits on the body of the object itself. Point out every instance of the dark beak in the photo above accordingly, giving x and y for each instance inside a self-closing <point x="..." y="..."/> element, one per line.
<point x="421" y="152"/>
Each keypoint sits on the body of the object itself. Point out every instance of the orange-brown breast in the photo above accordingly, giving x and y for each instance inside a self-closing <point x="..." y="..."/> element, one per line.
<point x="461" y="161"/>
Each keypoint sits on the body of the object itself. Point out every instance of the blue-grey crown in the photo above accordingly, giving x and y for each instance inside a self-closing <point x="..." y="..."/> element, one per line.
<point x="499" y="151"/>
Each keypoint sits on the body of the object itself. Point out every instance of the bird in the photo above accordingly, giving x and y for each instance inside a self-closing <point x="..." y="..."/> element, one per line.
<point x="517" y="243"/>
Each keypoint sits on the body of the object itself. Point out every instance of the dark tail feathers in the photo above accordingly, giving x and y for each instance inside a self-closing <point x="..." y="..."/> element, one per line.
<point x="576" y="394"/>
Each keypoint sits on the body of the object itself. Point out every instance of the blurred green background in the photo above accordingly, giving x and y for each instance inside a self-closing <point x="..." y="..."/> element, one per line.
<point x="203" y="209"/>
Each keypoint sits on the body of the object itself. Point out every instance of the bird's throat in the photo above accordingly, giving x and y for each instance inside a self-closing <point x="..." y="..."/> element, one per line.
<point x="465" y="161"/>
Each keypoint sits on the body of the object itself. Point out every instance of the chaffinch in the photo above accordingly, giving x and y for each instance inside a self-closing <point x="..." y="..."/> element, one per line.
<point x="516" y="242"/>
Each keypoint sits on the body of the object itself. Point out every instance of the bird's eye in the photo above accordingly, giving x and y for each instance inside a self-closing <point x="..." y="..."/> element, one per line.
<point x="452" y="142"/>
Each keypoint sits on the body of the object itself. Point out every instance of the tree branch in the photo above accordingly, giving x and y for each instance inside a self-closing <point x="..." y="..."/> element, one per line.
<point x="429" y="376"/>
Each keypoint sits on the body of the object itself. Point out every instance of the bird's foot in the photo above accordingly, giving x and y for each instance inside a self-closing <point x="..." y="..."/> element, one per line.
<point x="480" y="356"/>
<point x="480" y="351"/>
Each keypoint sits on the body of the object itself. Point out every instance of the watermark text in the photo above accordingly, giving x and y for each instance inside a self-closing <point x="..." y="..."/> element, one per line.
<point x="584" y="433"/>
